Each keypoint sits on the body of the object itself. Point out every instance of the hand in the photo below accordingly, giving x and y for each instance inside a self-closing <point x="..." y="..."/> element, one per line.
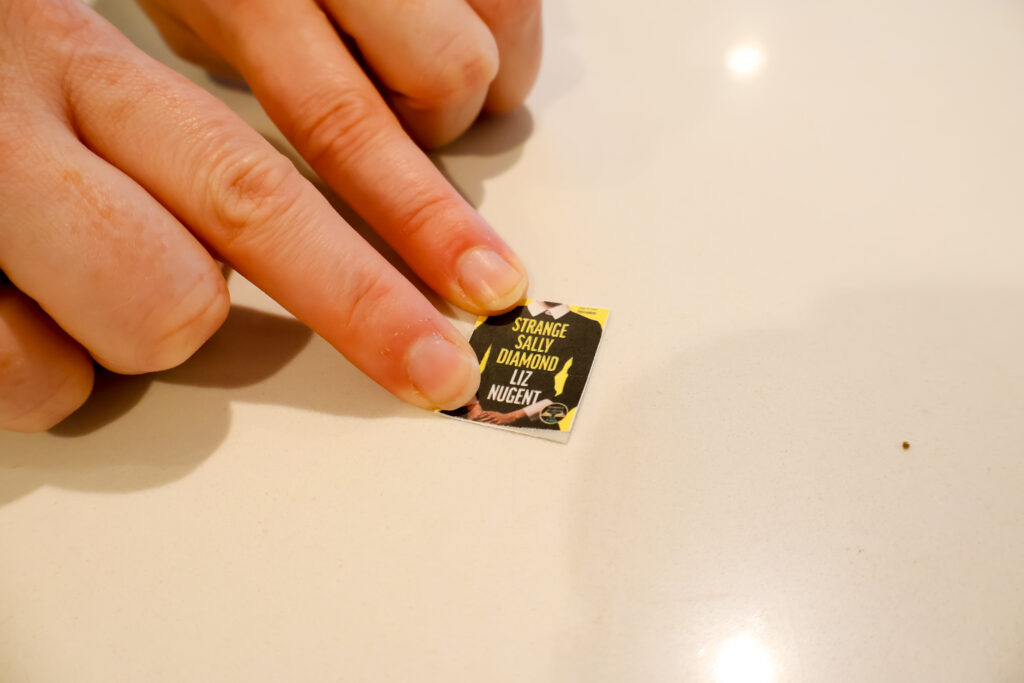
<point x="436" y="62"/>
<point x="496" y="418"/>
<point x="120" y="178"/>
<point x="473" y="409"/>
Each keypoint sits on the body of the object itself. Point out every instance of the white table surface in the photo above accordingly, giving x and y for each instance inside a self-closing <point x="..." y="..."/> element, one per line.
<point x="807" y="266"/>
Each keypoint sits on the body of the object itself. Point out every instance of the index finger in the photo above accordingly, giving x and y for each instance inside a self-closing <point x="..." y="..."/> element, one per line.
<point x="317" y="94"/>
<point x="245" y="200"/>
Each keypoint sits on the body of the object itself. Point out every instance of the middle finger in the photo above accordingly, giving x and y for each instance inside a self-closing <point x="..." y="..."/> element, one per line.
<point x="319" y="97"/>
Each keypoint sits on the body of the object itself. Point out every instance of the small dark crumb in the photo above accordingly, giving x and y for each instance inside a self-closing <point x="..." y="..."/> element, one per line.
<point x="906" y="445"/>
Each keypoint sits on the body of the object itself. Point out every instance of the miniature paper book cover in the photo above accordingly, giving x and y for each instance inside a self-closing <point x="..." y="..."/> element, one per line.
<point x="534" y="364"/>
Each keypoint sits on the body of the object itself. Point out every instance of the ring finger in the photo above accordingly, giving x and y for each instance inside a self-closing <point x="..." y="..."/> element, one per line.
<point x="436" y="60"/>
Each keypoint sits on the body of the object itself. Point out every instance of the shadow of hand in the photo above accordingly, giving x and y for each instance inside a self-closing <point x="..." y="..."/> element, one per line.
<point x="485" y="151"/>
<point x="138" y="432"/>
<point x="250" y="347"/>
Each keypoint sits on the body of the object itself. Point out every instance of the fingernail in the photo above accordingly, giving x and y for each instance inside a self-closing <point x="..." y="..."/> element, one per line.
<point x="489" y="280"/>
<point x="444" y="374"/>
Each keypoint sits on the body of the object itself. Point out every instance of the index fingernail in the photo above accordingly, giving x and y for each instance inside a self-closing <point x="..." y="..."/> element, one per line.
<point x="444" y="374"/>
<point x="491" y="282"/>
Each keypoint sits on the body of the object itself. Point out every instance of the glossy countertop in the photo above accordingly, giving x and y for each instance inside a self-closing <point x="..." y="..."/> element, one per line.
<point x="806" y="219"/>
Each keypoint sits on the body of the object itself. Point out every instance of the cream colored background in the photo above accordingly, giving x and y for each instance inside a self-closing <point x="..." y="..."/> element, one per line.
<point x="806" y="267"/>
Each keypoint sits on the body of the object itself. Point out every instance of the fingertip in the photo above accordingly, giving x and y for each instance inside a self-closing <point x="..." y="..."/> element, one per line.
<point x="47" y="415"/>
<point x="171" y="336"/>
<point x="519" y="33"/>
<point x="200" y="315"/>
<point x="44" y="375"/>
<point x="65" y="400"/>
<point x="443" y="374"/>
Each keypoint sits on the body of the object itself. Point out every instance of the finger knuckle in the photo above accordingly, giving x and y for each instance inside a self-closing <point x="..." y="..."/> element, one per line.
<point x="248" y="192"/>
<point x="466" y="65"/>
<point x="41" y="49"/>
<point x="433" y="215"/>
<point x="367" y="295"/>
<point x="85" y="55"/>
<point x="94" y="67"/>
<point x="124" y="86"/>
<point x="345" y="123"/>
<point x="62" y="23"/>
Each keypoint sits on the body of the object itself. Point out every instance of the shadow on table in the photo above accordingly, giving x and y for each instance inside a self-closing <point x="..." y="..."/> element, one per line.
<point x="250" y="347"/>
<point x="114" y="444"/>
<point x="487" y="150"/>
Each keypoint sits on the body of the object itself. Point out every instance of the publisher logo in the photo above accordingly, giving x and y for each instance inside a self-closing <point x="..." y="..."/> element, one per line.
<point x="554" y="413"/>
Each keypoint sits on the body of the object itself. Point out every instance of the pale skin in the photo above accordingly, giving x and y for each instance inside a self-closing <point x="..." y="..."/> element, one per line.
<point x="478" y="414"/>
<point x="122" y="184"/>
